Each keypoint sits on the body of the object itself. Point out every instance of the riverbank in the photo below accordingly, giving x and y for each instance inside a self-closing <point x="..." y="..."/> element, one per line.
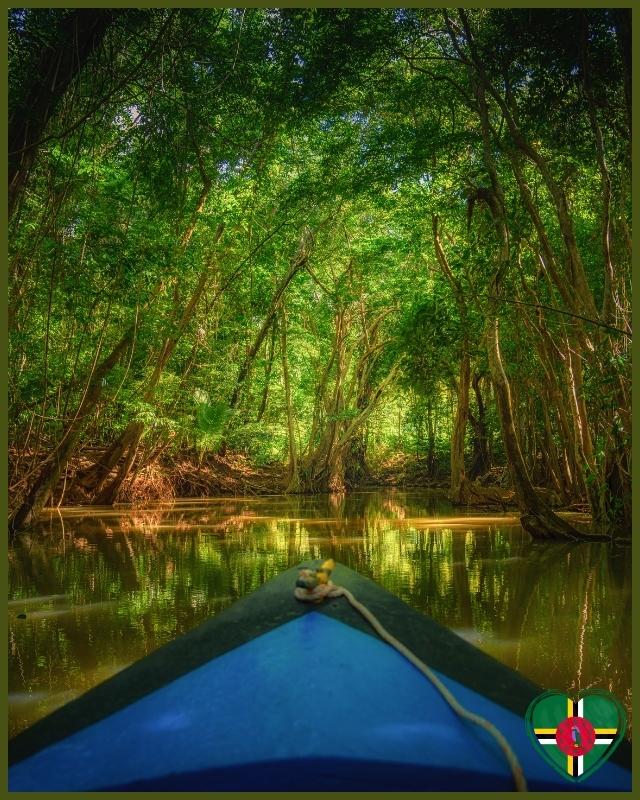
<point x="172" y="476"/>
<point x="193" y="475"/>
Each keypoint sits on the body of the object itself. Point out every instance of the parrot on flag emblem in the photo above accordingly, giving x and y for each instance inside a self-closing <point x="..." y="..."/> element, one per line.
<point x="576" y="736"/>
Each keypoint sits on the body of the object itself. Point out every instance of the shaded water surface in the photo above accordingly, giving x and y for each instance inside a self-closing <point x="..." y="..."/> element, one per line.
<point x="92" y="591"/>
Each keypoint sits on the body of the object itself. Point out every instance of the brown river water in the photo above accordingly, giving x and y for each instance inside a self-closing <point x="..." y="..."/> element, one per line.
<point x="91" y="591"/>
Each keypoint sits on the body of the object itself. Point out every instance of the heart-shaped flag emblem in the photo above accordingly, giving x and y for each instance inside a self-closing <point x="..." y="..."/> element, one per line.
<point x="576" y="735"/>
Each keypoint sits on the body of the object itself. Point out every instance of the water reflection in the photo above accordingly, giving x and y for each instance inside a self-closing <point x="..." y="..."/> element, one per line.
<point x="92" y="592"/>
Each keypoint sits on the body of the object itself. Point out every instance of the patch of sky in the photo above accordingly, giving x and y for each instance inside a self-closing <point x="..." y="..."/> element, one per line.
<point x="426" y="179"/>
<point x="19" y="18"/>
<point x="237" y="15"/>
<point x="227" y="168"/>
<point x="202" y="68"/>
<point x="356" y="117"/>
<point x="130" y="116"/>
<point x="71" y="228"/>
<point x="134" y="114"/>
<point x="522" y="80"/>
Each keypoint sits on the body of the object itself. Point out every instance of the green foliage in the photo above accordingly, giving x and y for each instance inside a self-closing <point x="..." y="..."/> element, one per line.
<point x="356" y="125"/>
<point x="211" y="417"/>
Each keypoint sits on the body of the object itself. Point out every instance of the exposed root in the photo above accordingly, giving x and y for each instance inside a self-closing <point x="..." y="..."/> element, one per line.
<point x="401" y="469"/>
<point x="162" y="479"/>
<point x="542" y="525"/>
<point x="194" y="475"/>
<point x="473" y="494"/>
<point x="151" y="483"/>
<point x="232" y="473"/>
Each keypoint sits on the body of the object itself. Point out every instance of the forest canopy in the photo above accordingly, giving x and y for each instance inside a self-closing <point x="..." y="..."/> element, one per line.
<point x="322" y="248"/>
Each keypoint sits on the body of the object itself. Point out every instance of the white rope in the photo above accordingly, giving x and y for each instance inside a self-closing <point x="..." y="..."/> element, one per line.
<point x="317" y="594"/>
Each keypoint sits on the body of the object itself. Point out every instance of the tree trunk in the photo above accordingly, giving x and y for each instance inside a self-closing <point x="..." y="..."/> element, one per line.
<point x="481" y="459"/>
<point x="297" y="262"/>
<point x="336" y="471"/>
<point x="576" y="274"/>
<point x="552" y="360"/>
<point x="356" y="468"/>
<point x="458" y="477"/>
<point x="322" y="467"/>
<point x="78" y="35"/>
<point x="536" y="516"/>
<point x="550" y="450"/>
<point x="585" y="449"/>
<point x="622" y="17"/>
<point x="325" y="467"/>
<point x="293" y="485"/>
<point x="609" y="292"/>
<point x="431" y="440"/>
<point x="457" y="492"/>
<point x="128" y="441"/>
<point x="271" y="347"/>
<point x="617" y="471"/>
<point x="46" y="481"/>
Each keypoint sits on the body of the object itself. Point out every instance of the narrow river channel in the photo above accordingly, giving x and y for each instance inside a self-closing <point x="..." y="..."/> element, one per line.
<point x="91" y="591"/>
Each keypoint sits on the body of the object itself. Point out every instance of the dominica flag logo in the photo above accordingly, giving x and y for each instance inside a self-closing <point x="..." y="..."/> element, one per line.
<point x="576" y="736"/>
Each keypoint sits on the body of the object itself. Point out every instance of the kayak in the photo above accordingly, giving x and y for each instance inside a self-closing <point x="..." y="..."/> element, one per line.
<point x="274" y="694"/>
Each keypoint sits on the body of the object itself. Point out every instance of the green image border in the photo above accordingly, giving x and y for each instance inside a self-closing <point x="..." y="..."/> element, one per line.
<point x="4" y="333"/>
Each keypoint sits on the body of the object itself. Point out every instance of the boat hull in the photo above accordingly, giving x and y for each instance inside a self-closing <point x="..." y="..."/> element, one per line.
<point x="274" y="695"/>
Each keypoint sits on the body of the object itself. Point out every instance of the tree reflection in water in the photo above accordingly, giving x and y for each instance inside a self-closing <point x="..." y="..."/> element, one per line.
<point x="101" y="590"/>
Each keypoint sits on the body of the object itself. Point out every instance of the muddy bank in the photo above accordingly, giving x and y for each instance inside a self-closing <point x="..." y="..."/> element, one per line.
<point x="180" y="475"/>
<point x="196" y="475"/>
